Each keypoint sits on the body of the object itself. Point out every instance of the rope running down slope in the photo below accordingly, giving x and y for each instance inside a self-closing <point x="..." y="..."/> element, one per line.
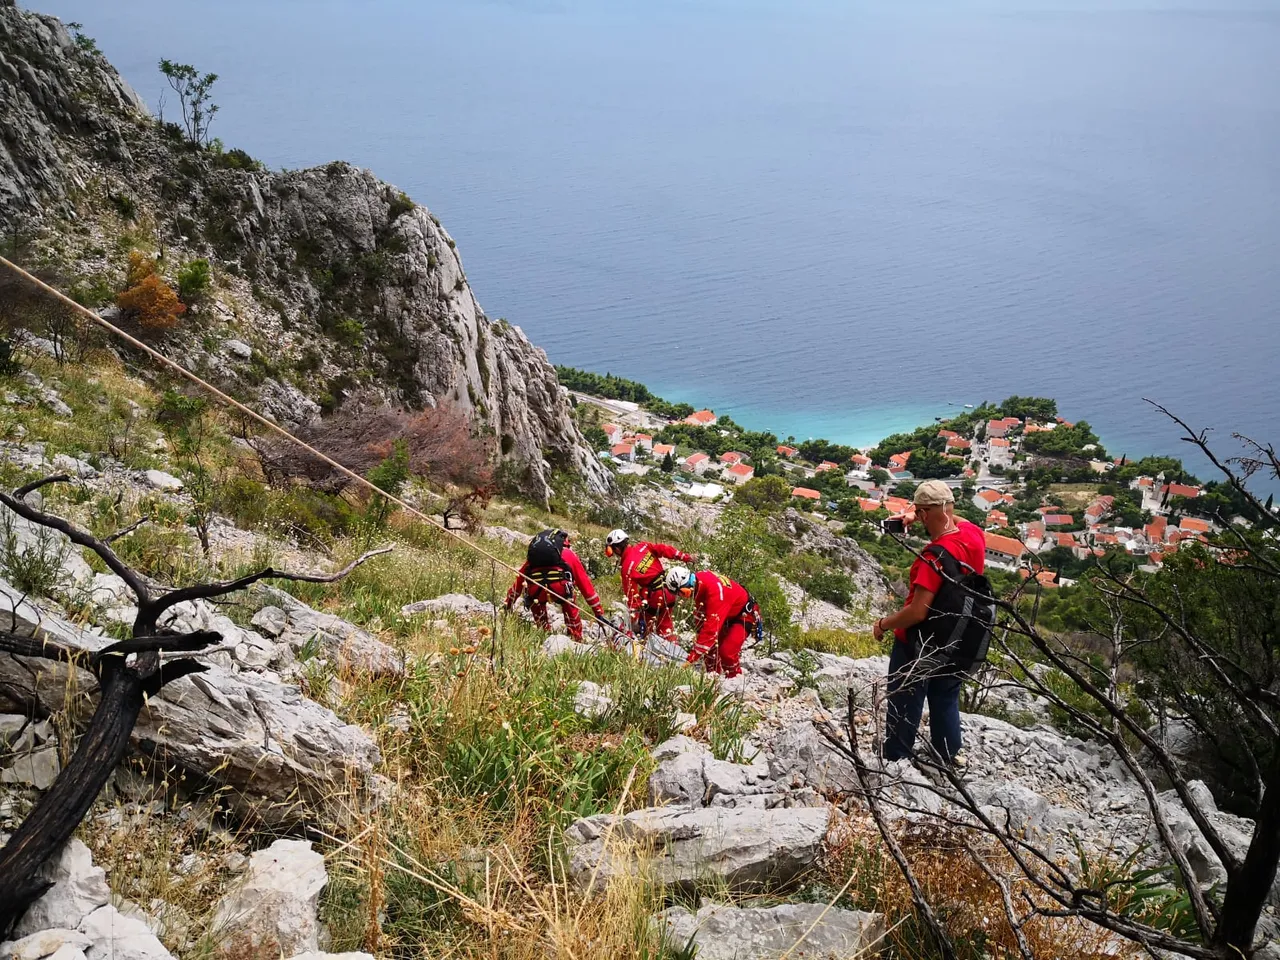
<point x="271" y="426"/>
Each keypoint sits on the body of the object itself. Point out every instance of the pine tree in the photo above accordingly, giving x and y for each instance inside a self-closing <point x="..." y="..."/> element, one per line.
<point x="668" y="463"/>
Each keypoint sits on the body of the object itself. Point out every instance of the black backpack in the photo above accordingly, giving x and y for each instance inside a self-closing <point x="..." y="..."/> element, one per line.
<point x="546" y="563"/>
<point x="961" y="617"/>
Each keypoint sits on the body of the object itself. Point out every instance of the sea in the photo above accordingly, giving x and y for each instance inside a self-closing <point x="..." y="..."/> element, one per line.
<point x="823" y="217"/>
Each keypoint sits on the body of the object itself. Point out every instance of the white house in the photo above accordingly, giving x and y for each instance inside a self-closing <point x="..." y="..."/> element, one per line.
<point x="1003" y="552"/>
<point x="698" y="463"/>
<point x="999" y="452"/>
<point x="739" y="473"/>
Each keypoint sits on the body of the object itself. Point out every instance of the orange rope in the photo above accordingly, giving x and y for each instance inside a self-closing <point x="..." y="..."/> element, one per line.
<point x="270" y="425"/>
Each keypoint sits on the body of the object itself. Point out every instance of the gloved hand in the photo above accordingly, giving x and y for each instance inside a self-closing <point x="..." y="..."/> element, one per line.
<point x="685" y="558"/>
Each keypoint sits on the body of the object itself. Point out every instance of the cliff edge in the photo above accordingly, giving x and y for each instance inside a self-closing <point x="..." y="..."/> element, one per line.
<point x="341" y="287"/>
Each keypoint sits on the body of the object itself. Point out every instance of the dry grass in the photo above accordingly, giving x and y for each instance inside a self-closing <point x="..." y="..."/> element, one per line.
<point x="966" y="898"/>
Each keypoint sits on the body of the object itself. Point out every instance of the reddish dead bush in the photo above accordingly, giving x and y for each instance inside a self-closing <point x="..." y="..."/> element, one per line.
<point x="153" y="303"/>
<point x="439" y="441"/>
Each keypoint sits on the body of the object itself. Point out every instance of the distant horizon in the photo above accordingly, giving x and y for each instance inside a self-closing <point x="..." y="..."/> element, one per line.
<point x="778" y="207"/>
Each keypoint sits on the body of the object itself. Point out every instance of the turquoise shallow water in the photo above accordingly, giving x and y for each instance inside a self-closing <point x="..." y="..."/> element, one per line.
<point x="827" y="217"/>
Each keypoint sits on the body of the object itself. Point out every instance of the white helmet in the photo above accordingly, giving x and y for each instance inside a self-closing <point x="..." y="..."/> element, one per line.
<point x="679" y="578"/>
<point x="614" y="541"/>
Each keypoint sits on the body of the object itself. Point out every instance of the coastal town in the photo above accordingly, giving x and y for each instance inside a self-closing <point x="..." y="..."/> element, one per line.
<point x="1030" y="529"/>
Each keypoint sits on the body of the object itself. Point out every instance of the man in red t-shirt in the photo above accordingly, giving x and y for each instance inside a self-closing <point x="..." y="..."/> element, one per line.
<point x="913" y="678"/>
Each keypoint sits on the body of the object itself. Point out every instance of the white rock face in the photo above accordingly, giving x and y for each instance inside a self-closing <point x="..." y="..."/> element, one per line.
<point x="238" y="348"/>
<point x="746" y="848"/>
<point x="79" y="888"/>
<point x="274" y="909"/>
<point x="113" y="936"/>
<point x="808" y="930"/>
<point x="159" y="480"/>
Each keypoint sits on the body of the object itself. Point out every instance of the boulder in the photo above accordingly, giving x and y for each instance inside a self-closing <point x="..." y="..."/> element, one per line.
<point x="283" y="756"/>
<point x="38" y="769"/>
<point x="458" y="604"/>
<point x="355" y="649"/>
<point x="744" y="848"/>
<point x="558" y="643"/>
<point x="677" y="776"/>
<point x="57" y="942"/>
<point x="810" y="930"/>
<point x="159" y="480"/>
<point x="273" y="909"/>
<point x="801" y="757"/>
<point x="62" y="463"/>
<point x="79" y="888"/>
<point x="113" y="936"/>
<point x="41" y="547"/>
<point x="271" y="620"/>
<point x="592" y="700"/>
<point x="238" y="349"/>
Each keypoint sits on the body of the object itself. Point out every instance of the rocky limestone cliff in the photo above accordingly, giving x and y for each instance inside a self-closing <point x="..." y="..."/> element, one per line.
<point x="331" y="286"/>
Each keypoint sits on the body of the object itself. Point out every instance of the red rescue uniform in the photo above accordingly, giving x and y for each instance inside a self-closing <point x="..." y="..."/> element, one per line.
<point x="648" y="599"/>
<point x="720" y="612"/>
<point x="559" y="590"/>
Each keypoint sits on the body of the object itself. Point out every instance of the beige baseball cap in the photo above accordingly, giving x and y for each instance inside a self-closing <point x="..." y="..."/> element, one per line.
<point x="932" y="493"/>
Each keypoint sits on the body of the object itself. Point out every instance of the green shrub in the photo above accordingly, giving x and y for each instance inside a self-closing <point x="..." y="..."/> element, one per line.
<point x="400" y="205"/>
<point x="348" y="331"/>
<point x="194" y="280"/>
<point x="32" y="565"/>
<point x="125" y="205"/>
<point x="235" y="159"/>
<point x="92" y="291"/>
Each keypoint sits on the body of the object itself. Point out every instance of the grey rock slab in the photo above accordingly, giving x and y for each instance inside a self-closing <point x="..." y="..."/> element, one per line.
<point x="459" y="604"/>
<point x="678" y="774"/>
<point x="63" y="463"/>
<point x="113" y="936"/>
<point x="356" y="649"/>
<point x="591" y="700"/>
<point x="78" y="889"/>
<point x="159" y="480"/>
<point x="38" y="769"/>
<point x="283" y="756"/>
<point x="557" y="644"/>
<point x="745" y="848"/>
<point x="271" y="620"/>
<point x="238" y="349"/>
<point x="809" y="930"/>
<point x="45" y="943"/>
<point x="273" y="908"/>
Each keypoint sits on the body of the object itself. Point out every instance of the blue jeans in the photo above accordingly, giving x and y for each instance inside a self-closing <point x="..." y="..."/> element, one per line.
<point x="911" y="682"/>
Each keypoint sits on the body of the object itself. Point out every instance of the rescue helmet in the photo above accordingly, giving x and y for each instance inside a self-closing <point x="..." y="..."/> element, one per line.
<point x="680" y="580"/>
<point x="615" y="542"/>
